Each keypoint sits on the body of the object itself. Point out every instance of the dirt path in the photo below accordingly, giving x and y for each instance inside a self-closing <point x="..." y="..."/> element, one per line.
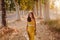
<point x="42" y="32"/>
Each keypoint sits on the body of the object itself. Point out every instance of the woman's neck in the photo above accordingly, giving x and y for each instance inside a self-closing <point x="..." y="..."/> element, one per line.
<point x="32" y="19"/>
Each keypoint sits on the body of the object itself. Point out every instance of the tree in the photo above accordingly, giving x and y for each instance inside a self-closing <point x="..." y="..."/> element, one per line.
<point x="3" y="14"/>
<point x="17" y="7"/>
<point x="26" y="5"/>
<point x="0" y="5"/>
<point x="46" y="10"/>
<point x="36" y="5"/>
<point x="40" y="8"/>
<point x="30" y="5"/>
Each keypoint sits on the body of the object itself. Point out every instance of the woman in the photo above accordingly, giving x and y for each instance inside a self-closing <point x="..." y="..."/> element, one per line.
<point x="31" y="26"/>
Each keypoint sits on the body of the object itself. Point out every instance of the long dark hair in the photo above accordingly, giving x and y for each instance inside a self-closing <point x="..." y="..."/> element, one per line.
<point x="29" y="18"/>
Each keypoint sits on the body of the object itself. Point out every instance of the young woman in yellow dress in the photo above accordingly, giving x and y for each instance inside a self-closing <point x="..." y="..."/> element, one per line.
<point x="31" y="26"/>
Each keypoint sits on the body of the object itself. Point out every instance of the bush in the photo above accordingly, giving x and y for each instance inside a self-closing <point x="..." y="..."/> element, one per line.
<point x="55" y="24"/>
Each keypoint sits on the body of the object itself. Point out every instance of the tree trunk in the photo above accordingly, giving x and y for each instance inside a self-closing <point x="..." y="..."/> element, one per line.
<point x="17" y="8"/>
<point x="41" y="9"/>
<point x="37" y="7"/>
<point x="3" y="14"/>
<point x="46" y="10"/>
<point x="0" y="5"/>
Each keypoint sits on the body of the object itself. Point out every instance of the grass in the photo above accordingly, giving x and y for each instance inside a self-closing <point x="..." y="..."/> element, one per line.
<point x="54" y="24"/>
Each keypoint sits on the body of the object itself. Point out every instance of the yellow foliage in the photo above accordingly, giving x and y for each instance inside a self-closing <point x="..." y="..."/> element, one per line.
<point x="52" y="5"/>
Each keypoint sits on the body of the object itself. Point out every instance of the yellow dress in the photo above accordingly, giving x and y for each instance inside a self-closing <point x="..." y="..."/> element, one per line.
<point x="31" y="30"/>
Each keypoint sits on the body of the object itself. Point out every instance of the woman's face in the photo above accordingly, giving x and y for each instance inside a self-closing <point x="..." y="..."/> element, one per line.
<point x="30" y="15"/>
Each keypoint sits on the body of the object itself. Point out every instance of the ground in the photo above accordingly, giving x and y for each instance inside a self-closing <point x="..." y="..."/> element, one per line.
<point x="42" y="32"/>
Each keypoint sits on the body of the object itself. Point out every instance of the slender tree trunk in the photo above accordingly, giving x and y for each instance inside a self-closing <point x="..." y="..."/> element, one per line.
<point x="17" y="9"/>
<point x="37" y="7"/>
<point x="23" y="12"/>
<point x="46" y="10"/>
<point x="0" y="5"/>
<point x="40" y="8"/>
<point x="3" y="14"/>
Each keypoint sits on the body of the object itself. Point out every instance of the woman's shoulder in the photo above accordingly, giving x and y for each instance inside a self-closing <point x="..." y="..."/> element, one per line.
<point x="28" y="22"/>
